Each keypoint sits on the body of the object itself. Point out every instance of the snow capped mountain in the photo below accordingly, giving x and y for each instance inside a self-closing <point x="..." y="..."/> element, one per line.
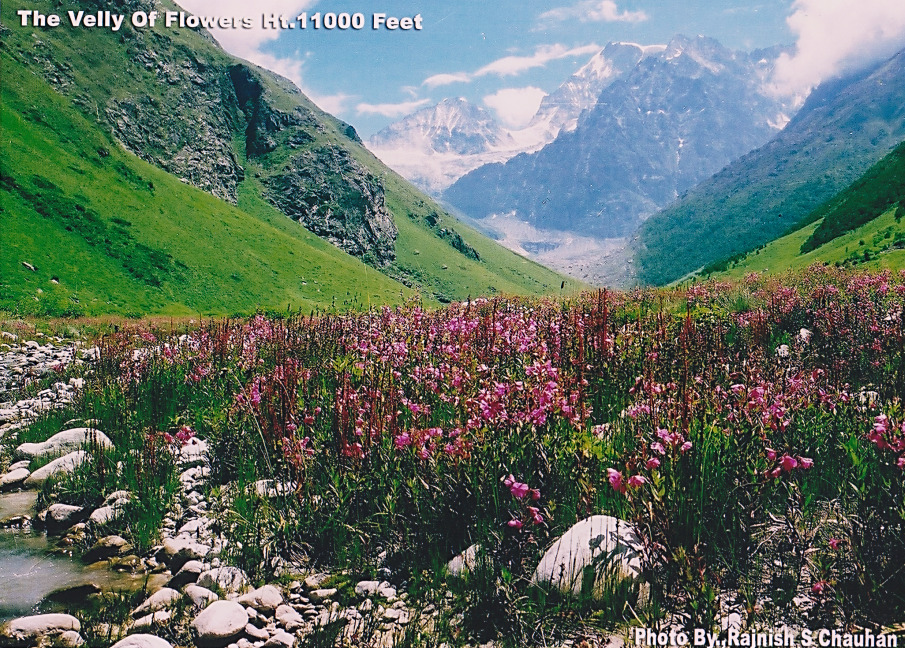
<point x="678" y="116"/>
<point x="559" y="110"/>
<point x="437" y="145"/>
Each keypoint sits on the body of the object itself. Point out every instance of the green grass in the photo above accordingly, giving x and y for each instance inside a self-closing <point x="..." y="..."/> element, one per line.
<point x="870" y="246"/>
<point x="108" y="233"/>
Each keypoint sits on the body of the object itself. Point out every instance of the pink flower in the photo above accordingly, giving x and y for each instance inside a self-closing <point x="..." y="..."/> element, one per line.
<point x="788" y="463"/>
<point x="771" y="454"/>
<point x="615" y="479"/>
<point x="835" y="543"/>
<point x="536" y="516"/>
<point x="657" y="447"/>
<point x="515" y="524"/>
<point x="819" y="587"/>
<point x="901" y="463"/>
<point x="685" y="447"/>
<point x="652" y="463"/>
<point x="535" y="494"/>
<point x="518" y="490"/>
<point x="636" y="480"/>
<point x="403" y="440"/>
<point x="806" y="462"/>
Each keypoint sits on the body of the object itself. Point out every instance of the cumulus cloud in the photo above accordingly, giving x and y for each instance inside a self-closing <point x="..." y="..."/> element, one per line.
<point x="835" y="37"/>
<point x="391" y="109"/>
<point x="515" y="106"/>
<point x="593" y="11"/>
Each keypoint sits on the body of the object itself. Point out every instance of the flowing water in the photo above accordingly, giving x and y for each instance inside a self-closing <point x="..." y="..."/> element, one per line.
<point x="29" y="571"/>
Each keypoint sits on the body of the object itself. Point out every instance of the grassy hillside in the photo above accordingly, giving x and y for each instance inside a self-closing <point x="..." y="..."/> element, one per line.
<point x="861" y="225"/>
<point x="877" y="244"/>
<point x="107" y="232"/>
<point x="844" y="128"/>
<point x="882" y="187"/>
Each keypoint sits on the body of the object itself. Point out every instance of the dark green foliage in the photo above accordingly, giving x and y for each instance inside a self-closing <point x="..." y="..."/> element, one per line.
<point x="875" y="192"/>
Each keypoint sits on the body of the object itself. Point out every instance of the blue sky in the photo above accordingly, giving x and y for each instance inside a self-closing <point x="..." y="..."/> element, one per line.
<point x="526" y="48"/>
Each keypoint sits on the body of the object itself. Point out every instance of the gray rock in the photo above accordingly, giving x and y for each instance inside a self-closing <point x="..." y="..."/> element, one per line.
<point x="13" y="478"/>
<point x="142" y="641"/>
<point x="219" y="623"/>
<point x="321" y="595"/>
<point x="280" y="639"/>
<point x="265" y="599"/>
<point x="64" y="442"/>
<point x="229" y="579"/>
<point x="65" y="464"/>
<point x="289" y="618"/>
<point x="255" y="633"/>
<point x="188" y="573"/>
<point x="178" y="551"/>
<point x="107" y="547"/>
<point x="367" y="588"/>
<point x="608" y="545"/>
<point x="39" y="628"/>
<point x="201" y="596"/>
<point x="467" y="561"/>
<point x="58" y="517"/>
<point x="160" y="600"/>
<point x="159" y="618"/>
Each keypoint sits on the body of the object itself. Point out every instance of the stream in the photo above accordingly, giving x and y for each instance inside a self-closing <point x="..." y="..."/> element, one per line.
<point x="29" y="571"/>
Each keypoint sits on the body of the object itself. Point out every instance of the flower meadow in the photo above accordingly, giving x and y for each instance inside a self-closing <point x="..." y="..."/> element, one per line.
<point x="754" y="434"/>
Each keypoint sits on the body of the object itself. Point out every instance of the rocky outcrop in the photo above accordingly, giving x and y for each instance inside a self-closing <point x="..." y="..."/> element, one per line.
<point x="186" y="129"/>
<point x="335" y="197"/>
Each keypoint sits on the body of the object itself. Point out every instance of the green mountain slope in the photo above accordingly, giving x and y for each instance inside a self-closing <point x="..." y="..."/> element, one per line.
<point x="875" y="192"/>
<point x="861" y="225"/>
<point x="89" y="227"/>
<point x="844" y="128"/>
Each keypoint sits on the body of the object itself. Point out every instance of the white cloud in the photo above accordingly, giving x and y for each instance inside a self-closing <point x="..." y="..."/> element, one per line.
<point x="512" y="65"/>
<point x="593" y="11"/>
<point x="515" y="106"/>
<point x="835" y="37"/>
<point x="391" y="109"/>
<point x="446" y="79"/>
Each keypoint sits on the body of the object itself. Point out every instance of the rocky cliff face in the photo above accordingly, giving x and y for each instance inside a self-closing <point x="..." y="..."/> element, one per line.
<point x="337" y="199"/>
<point x="205" y="108"/>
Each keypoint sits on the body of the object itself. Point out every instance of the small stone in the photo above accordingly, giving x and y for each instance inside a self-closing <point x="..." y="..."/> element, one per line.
<point x="188" y="573"/>
<point x="289" y="618"/>
<point x="219" y="623"/>
<point x="201" y="596"/>
<point x="107" y="547"/>
<point x="256" y="634"/>
<point x="161" y="599"/>
<point x="65" y="464"/>
<point x="280" y="639"/>
<point x="229" y="579"/>
<point x="321" y="595"/>
<point x="159" y="618"/>
<point x="265" y="599"/>
<point x="13" y="478"/>
<point x="32" y="629"/>
<point x="367" y="588"/>
<point x="142" y="641"/>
